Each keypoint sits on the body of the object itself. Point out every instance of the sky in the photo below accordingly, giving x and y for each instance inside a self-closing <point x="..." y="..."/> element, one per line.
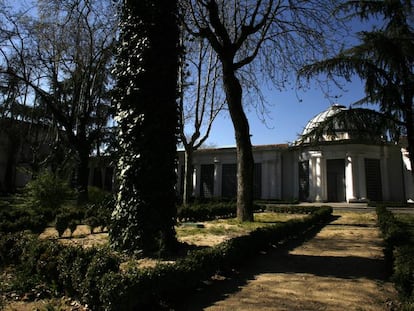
<point x="289" y="112"/>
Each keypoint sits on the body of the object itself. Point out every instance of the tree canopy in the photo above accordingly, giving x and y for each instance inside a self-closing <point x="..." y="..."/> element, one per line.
<point x="384" y="59"/>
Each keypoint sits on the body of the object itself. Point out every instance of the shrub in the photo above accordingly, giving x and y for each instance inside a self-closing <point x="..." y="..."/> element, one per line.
<point x="46" y="194"/>
<point x="99" y="214"/>
<point x="17" y="219"/>
<point x="93" y="276"/>
<point x="398" y="253"/>
<point x="167" y="284"/>
<point x="97" y="195"/>
<point x="62" y="223"/>
<point x="103" y="261"/>
<point x="403" y="275"/>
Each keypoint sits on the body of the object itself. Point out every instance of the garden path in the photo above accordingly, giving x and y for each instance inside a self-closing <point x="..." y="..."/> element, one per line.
<point x="341" y="268"/>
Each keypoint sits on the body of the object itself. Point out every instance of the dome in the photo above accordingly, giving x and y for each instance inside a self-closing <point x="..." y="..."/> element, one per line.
<point x="318" y="119"/>
<point x="315" y="121"/>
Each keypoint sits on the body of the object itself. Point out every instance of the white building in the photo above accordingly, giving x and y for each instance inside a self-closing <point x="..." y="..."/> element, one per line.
<point x="339" y="168"/>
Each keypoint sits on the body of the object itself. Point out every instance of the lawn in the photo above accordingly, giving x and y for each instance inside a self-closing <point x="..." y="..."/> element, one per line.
<point x="207" y="233"/>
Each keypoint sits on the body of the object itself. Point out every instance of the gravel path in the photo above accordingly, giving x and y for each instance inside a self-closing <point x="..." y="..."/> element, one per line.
<point x="341" y="268"/>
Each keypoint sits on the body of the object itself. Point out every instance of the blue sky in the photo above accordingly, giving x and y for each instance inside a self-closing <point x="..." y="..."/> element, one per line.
<point x="289" y="112"/>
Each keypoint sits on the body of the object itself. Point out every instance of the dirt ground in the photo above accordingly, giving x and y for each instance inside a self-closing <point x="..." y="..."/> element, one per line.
<point x="341" y="268"/>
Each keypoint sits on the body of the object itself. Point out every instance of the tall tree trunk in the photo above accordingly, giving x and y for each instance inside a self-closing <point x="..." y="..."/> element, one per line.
<point x="147" y="68"/>
<point x="188" y="175"/>
<point x="245" y="161"/>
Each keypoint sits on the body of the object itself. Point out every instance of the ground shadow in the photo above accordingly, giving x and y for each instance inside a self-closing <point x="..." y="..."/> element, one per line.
<point x="218" y="288"/>
<point x="279" y="260"/>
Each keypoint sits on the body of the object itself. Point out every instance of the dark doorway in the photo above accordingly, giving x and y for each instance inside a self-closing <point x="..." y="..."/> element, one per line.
<point x="303" y="180"/>
<point x="207" y="181"/>
<point x="373" y="179"/>
<point x="335" y="173"/>
<point x="229" y="181"/>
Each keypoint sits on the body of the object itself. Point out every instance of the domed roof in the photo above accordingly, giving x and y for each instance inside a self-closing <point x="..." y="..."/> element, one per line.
<point x="315" y="121"/>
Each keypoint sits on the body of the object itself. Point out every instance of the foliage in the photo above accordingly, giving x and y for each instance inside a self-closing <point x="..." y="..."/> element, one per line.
<point x="383" y="59"/>
<point x="62" y="53"/>
<point x="399" y="253"/>
<point x="46" y="194"/>
<point x="18" y="218"/>
<point x="258" y="41"/>
<point x="67" y="269"/>
<point x="93" y="275"/>
<point x="99" y="213"/>
<point x="97" y="195"/>
<point x="292" y="209"/>
<point x="147" y="114"/>
<point x="362" y="125"/>
<point x="167" y="284"/>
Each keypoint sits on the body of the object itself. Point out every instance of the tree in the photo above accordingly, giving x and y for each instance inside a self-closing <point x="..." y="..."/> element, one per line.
<point x="257" y="38"/>
<point x="25" y="131"/>
<point x="384" y="59"/>
<point x="64" y="51"/>
<point x="147" y="115"/>
<point x="360" y="124"/>
<point x="200" y="102"/>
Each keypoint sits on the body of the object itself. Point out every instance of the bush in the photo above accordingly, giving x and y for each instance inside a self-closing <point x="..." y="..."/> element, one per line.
<point x="46" y="194"/>
<point x="97" y="195"/>
<point x="102" y="262"/>
<point x="93" y="275"/>
<point x="398" y="253"/>
<point x="168" y="284"/>
<point x="17" y="219"/>
<point x="208" y="211"/>
<point x="99" y="214"/>
<point x="403" y="275"/>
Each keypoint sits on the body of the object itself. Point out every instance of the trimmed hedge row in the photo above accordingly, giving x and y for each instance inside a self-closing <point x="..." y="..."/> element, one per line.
<point x="208" y="211"/>
<point x="94" y="277"/>
<point x="69" y="270"/>
<point x="398" y="253"/>
<point x="292" y="209"/>
<point x="18" y="219"/>
<point x="215" y="210"/>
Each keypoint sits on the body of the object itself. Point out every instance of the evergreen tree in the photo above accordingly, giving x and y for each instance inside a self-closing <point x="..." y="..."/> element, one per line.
<point x="147" y="115"/>
<point x="384" y="60"/>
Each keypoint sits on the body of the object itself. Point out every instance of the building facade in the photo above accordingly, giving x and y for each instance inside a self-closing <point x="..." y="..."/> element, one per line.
<point x="336" y="169"/>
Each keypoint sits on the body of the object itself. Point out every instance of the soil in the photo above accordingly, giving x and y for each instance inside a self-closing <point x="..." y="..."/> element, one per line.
<point x="341" y="268"/>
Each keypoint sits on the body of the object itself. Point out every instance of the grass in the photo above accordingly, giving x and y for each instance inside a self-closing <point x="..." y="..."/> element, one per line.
<point x="233" y="227"/>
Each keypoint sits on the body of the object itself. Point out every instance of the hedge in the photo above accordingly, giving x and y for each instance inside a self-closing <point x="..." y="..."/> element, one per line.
<point x="398" y="253"/>
<point x="94" y="276"/>
<point x="168" y="284"/>
<point x="215" y="210"/>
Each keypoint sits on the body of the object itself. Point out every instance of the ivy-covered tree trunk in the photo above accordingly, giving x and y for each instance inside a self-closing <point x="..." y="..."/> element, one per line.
<point x="147" y="114"/>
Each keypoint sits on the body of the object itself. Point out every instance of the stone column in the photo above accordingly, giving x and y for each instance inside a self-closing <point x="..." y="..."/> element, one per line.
<point x="196" y="179"/>
<point x="349" y="178"/>
<point x="317" y="180"/>
<point x="217" y="177"/>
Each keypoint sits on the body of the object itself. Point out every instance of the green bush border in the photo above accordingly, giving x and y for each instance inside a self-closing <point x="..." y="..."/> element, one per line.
<point x="168" y="284"/>
<point x="94" y="277"/>
<point x="398" y="253"/>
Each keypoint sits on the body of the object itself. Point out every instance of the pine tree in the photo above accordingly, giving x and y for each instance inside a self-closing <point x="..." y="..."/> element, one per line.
<point x="384" y="59"/>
